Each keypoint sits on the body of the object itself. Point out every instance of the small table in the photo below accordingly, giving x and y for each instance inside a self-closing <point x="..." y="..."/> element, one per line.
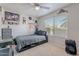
<point x="7" y="42"/>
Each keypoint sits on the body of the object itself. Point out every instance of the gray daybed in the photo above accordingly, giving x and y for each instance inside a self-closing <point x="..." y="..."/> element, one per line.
<point x="28" y="40"/>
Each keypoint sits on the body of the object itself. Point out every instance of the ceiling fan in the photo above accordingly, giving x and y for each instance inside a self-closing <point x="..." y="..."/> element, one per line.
<point x="37" y="6"/>
<point x="62" y="11"/>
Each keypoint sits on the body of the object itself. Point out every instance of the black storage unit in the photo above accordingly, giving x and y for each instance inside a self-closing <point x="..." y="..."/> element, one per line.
<point x="70" y="47"/>
<point x="6" y="33"/>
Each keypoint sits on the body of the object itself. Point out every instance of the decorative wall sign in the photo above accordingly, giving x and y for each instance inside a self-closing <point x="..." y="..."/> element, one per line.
<point x="11" y="18"/>
<point x="30" y="18"/>
<point x="0" y="8"/>
<point x="36" y="21"/>
<point x="24" y="20"/>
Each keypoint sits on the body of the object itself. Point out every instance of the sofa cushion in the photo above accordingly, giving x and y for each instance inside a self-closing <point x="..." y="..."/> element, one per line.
<point x="41" y="32"/>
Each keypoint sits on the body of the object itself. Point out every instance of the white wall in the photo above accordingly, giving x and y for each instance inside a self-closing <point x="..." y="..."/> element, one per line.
<point x="73" y="26"/>
<point x="20" y="29"/>
<point x="73" y="21"/>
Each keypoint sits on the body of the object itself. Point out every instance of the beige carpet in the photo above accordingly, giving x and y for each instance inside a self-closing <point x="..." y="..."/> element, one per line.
<point x="54" y="47"/>
<point x="46" y="49"/>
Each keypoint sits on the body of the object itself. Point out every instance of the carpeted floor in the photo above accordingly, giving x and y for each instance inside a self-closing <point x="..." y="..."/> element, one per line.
<point x="54" y="47"/>
<point x="50" y="48"/>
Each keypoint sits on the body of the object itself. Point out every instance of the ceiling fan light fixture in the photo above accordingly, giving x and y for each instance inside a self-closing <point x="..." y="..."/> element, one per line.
<point x="37" y="7"/>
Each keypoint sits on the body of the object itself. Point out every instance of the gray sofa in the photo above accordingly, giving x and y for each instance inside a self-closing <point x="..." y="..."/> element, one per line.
<point x="28" y="40"/>
<point x="5" y="51"/>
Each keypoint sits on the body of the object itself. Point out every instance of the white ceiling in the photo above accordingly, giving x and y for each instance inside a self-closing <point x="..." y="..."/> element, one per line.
<point x="27" y="9"/>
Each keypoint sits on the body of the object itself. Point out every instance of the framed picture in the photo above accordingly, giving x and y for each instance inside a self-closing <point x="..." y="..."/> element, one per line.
<point x="11" y="17"/>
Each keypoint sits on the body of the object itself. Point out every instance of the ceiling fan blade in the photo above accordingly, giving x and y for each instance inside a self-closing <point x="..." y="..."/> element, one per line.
<point x="44" y="7"/>
<point x="36" y="4"/>
<point x="62" y="11"/>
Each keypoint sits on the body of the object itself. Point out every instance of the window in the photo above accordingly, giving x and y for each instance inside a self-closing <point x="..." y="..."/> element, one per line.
<point x="61" y="26"/>
<point x="57" y="25"/>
